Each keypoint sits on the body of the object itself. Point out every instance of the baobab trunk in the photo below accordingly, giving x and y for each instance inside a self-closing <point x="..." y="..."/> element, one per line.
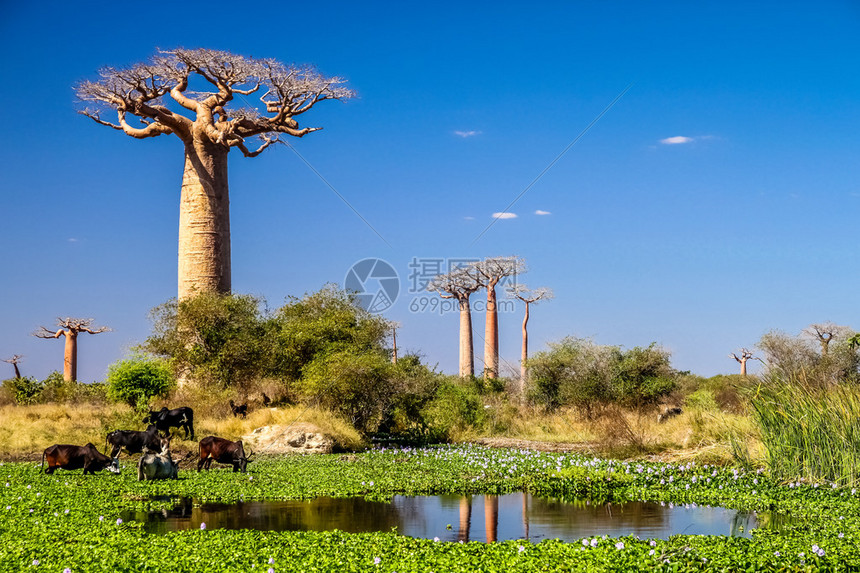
<point x="70" y="357"/>
<point x="744" y="367"/>
<point x="467" y="354"/>
<point x="204" y="221"/>
<point x="491" y="336"/>
<point x="525" y="355"/>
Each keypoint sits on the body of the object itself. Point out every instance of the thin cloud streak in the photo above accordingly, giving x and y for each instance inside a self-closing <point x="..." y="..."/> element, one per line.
<point x="504" y="215"/>
<point x="677" y="140"/>
<point x="465" y="134"/>
<point x="540" y="212"/>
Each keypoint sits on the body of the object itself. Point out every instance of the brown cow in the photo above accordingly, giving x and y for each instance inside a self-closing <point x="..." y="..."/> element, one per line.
<point x="224" y="452"/>
<point x="68" y="457"/>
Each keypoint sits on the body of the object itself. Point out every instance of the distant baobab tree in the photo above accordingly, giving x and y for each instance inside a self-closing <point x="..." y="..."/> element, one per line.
<point x="394" y="325"/>
<point x="208" y="130"/>
<point x="825" y="332"/>
<point x="70" y="328"/>
<point x="14" y="362"/>
<point x="745" y="356"/>
<point x="529" y="297"/>
<point x="490" y="272"/>
<point x="459" y="285"/>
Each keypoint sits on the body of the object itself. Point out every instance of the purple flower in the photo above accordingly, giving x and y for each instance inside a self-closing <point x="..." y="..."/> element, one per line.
<point x="35" y="561"/>
<point x="202" y="525"/>
<point x="619" y="545"/>
<point x="376" y="560"/>
<point x="271" y="560"/>
<point x="119" y="521"/>
<point x="67" y="570"/>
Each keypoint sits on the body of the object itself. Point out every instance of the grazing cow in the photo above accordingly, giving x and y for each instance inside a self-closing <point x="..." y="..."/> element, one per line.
<point x="165" y="419"/>
<point x="240" y="410"/>
<point x="224" y="452"/>
<point x="134" y="442"/>
<point x="157" y="466"/>
<point x="68" y="457"/>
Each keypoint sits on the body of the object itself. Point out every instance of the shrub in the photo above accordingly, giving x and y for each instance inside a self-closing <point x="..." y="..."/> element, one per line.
<point x="353" y="383"/>
<point x="577" y="372"/>
<point x="137" y="380"/>
<point x="24" y="390"/>
<point x="211" y="338"/>
<point x="454" y="407"/>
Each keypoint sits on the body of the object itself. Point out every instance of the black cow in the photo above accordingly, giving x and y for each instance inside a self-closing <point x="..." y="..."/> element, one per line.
<point x="134" y="442"/>
<point x="224" y="452"/>
<point x="266" y="400"/>
<point x="68" y="457"/>
<point x="239" y="410"/>
<point x="165" y="419"/>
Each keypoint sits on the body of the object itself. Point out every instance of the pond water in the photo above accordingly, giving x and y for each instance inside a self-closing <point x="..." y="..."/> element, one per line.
<point x="456" y="517"/>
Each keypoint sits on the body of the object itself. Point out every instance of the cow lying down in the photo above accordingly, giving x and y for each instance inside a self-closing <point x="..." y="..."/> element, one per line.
<point x="68" y="457"/>
<point x="157" y="466"/>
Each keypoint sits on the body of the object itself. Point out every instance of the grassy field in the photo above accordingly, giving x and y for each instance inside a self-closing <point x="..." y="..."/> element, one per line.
<point x="68" y="521"/>
<point x="705" y="435"/>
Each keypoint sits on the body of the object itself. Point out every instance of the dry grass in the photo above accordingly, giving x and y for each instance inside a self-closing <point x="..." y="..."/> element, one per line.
<point x="705" y="435"/>
<point x="27" y="430"/>
<point x="31" y="429"/>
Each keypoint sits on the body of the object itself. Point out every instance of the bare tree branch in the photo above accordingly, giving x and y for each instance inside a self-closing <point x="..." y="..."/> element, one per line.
<point x="45" y="333"/>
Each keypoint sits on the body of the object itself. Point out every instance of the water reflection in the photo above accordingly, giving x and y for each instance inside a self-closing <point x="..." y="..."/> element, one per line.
<point x="450" y="517"/>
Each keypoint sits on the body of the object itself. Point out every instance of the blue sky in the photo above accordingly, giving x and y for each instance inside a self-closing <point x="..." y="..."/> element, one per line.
<point x="745" y="224"/>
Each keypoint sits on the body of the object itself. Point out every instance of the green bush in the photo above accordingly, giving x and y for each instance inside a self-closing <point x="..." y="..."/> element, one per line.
<point x="576" y="372"/>
<point x="24" y="390"/>
<point x="137" y="380"/>
<point x="455" y="406"/>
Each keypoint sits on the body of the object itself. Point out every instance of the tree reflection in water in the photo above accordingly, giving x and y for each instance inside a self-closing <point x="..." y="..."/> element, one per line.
<point x="512" y="516"/>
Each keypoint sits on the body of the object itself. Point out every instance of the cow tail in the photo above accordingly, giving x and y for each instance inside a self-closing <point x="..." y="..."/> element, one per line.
<point x="42" y="467"/>
<point x="106" y="444"/>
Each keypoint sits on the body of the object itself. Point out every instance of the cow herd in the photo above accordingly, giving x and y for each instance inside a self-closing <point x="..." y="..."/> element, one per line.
<point x="153" y="443"/>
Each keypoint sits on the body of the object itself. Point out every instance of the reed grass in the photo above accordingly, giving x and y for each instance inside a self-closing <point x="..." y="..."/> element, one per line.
<point x="810" y="431"/>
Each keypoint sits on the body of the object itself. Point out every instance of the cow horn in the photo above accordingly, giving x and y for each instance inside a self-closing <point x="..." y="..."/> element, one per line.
<point x="248" y="457"/>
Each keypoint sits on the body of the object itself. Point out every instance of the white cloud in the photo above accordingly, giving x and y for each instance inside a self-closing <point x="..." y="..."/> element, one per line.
<point x="676" y="140"/>
<point x="465" y="134"/>
<point x="72" y="240"/>
<point x="540" y="212"/>
<point x="504" y="215"/>
<point x="469" y="218"/>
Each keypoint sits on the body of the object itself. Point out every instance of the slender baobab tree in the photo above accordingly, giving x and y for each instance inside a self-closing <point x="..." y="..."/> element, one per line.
<point x="70" y="328"/>
<point x="394" y="325"/>
<point x="208" y="129"/>
<point x="459" y="285"/>
<point x="490" y="272"/>
<point x="746" y="355"/>
<point x="529" y="297"/>
<point x="825" y="332"/>
<point x="14" y="362"/>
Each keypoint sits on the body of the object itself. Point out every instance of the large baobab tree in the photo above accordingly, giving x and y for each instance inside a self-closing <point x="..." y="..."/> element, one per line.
<point x="70" y="328"/>
<point x="529" y="297"/>
<point x="459" y="285"/>
<point x="14" y="362"/>
<point x="490" y="273"/>
<point x="825" y="332"/>
<point x="745" y="356"/>
<point x="156" y="98"/>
